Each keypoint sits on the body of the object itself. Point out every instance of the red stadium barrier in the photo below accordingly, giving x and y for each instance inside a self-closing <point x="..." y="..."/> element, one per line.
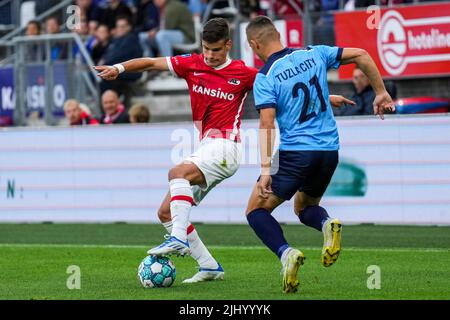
<point x="422" y="105"/>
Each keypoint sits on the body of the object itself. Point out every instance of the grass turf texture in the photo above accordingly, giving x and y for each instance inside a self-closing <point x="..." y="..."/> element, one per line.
<point x="414" y="263"/>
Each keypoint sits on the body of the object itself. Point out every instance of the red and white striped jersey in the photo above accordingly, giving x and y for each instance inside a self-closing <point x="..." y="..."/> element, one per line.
<point x="217" y="94"/>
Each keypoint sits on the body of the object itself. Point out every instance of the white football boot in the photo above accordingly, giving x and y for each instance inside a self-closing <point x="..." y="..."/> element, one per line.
<point x="205" y="274"/>
<point x="172" y="245"/>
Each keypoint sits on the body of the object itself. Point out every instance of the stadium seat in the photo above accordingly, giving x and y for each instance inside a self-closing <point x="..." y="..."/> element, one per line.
<point x="27" y="12"/>
<point x="195" y="46"/>
<point x="229" y="11"/>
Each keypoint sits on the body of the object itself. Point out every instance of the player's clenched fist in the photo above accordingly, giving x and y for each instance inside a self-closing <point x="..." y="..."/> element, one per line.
<point x="107" y="72"/>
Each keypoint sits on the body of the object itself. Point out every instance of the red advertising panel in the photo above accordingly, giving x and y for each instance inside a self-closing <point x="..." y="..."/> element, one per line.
<point x="404" y="42"/>
<point x="291" y="32"/>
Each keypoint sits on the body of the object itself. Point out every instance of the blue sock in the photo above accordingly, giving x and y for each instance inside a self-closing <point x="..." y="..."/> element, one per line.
<point x="314" y="216"/>
<point x="268" y="230"/>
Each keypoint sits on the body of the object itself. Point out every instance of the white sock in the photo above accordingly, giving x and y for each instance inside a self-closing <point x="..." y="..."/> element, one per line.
<point x="199" y="252"/>
<point x="325" y="224"/>
<point x="284" y="256"/>
<point x="180" y="207"/>
<point x="168" y="226"/>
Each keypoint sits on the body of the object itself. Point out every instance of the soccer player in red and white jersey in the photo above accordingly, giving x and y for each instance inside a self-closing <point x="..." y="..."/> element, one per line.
<point x="218" y="87"/>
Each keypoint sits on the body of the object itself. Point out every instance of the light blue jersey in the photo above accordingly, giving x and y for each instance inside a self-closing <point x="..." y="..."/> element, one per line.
<point x="294" y="82"/>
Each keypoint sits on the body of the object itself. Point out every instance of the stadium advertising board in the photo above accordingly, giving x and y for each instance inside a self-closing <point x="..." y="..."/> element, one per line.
<point x="35" y="91"/>
<point x="408" y="41"/>
<point x="119" y="173"/>
<point x="291" y="32"/>
<point x="7" y="100"/>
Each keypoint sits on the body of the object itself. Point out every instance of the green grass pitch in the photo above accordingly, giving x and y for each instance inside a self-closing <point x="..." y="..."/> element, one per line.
<point x="414" y="263"/>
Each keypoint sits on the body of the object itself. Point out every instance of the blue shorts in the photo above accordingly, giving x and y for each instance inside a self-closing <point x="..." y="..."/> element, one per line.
<point x="306" y="171"/>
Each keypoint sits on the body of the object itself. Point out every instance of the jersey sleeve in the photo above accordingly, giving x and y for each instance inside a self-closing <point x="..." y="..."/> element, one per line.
<point x="180" y="65"/>
<point x="264" y="93"/>
<point x="330" y="55"/>
<point x="252" y="72"/>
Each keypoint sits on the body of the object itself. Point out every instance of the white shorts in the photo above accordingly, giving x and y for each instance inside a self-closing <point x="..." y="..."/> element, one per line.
<point x="217" y="159"/>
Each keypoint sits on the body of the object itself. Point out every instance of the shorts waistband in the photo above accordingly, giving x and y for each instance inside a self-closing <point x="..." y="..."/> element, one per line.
<point x="223" y="135"/>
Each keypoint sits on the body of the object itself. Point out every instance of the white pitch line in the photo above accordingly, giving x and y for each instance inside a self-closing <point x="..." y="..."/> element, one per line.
<point x="112" y="246"/>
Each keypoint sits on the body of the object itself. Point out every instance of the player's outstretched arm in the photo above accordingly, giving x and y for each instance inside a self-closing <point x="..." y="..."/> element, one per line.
<point x="383" y="101"/>
<point x="266" y="143"/>
<point x="133" y="65"/>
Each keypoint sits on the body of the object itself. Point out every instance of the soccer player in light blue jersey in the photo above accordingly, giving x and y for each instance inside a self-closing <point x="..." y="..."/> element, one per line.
<point x="292" y="87"/>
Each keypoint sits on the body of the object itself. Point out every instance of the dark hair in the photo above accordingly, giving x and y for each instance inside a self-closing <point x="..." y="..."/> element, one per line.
<point x="36" y="23"/>
<point x="124" y="17"/>
<point x="102" y="25"/>
<point x="215" y="30"/>
<point x="53" y="18"/>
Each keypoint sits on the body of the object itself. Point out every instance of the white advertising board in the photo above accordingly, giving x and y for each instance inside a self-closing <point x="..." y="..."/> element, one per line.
<point x="395" y="171"/>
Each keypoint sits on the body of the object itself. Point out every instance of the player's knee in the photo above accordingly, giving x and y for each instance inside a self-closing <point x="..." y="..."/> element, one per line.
<point x="302" y="202"/>
<point x="258" y="203"/>
<point x="299" y="205"/>
<point x="249" y="210"/>
<point x="298" y="208"/>
<point x="176" y="173"/>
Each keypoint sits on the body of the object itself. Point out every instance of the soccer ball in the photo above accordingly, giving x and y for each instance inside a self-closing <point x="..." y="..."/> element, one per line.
<point x="156" y="272"/>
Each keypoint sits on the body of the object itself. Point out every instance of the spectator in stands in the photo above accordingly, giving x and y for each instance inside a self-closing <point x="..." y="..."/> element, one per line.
<point x="173" y="31"/>
<point x="52" y="25"/>
<point x="222" y="9"/>
<point x="139" y="113"/>
<point x="58" y="49"/>
<point x="351" y="5"/>
<point x="288" y="8"/>
<point x="33" y="28"/>
<point x="104" y="3"/>
<point x="98" y="44"/>
<point x="325" y="24"/>
<point x="82" y="29"/>
<point x="124" y="46"/>
<point x="35" y="51"/>
<point x="147" y="23"/>
<point x="115" y="9"/>
<point x="363" y="96"/>
<point x="76" y="115"/>
<point x="249" y="8"/>
<point x="114" y="111"/>
<point x="394" y="2"/>
<point x="90" y="12"/>
<point x="196" y="7"/>
<point x="328" y="5"/>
